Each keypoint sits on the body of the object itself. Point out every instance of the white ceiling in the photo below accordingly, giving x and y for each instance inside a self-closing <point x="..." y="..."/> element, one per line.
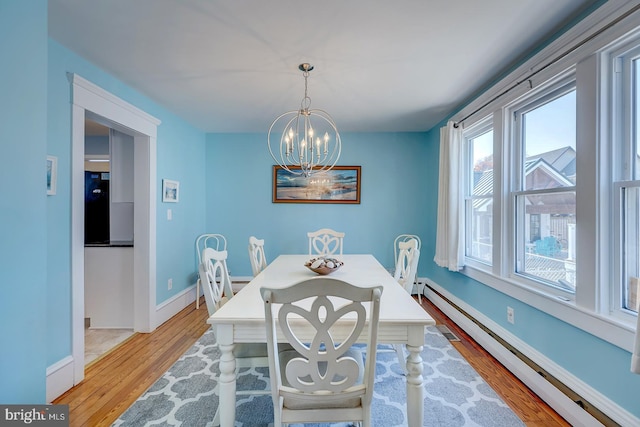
<point x="232" y="66"/>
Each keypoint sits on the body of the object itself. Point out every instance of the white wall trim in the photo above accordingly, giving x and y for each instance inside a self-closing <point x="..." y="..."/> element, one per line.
<point x="92" y="97"/>
<point x="60" y="375"/>
<point x="169" y="308"/>
<point x="545" y="390"/>
<point x="59" y="378"/>
<point x="87" y="98"/>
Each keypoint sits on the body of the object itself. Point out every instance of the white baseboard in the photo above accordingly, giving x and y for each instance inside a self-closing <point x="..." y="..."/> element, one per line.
<point x="60" y="374"/>
<point x="59" y="378"/>
<point x="175" y="304"/>
<point x="560" y="402"/>
<point x="238" y="282"/>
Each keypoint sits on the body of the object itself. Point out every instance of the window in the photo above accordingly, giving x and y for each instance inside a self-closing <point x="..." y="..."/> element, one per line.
<point x="628" y="296"/>
<point x="626" y="72"/>
<point x="544" y="196"/>
<point x="479" y="193"/>
<point x="562" y="143"/>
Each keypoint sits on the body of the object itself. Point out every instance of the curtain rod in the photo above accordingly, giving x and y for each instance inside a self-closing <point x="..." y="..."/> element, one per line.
<point x="556" y="59"/>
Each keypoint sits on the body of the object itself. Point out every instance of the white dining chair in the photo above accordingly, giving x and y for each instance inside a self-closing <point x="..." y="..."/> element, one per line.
<point x="325" y="242"/>
<point x="323" y="378"/>
<point x="209" y="240"/>
<point x="406" y="268"/>
<point x="217" y="288"/>
<point x="396" y="250"/>
<point x="257" y="255"/>
<point x="216" y="282"/>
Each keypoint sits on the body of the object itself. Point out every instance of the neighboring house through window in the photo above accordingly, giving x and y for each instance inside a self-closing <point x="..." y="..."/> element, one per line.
<point x="544" y="165"/>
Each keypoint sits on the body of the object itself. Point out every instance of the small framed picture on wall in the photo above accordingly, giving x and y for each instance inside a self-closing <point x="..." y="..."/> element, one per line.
<point x="170" y="191"/>
<point x="52" y="175"/>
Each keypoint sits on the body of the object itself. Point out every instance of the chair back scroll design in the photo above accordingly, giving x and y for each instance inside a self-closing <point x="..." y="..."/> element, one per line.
<point x="407" y="263"/>
<point x="257" y="255"/>
<point x="322" y="353"/>
<point x="404" y="238"/>
<point x="210" y="240"/>
<point x="405" y="275"/>
<point x="216" y="283"/>
<point x="325" y="242"/>
<point x="325" y="379"/>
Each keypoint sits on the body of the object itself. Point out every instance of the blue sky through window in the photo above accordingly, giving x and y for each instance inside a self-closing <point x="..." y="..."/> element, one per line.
<point x="548" y="127"/>
<point x="552" y="125"/>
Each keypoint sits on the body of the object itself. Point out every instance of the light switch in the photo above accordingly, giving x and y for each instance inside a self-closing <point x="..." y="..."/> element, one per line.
<point x="169" y="215"/>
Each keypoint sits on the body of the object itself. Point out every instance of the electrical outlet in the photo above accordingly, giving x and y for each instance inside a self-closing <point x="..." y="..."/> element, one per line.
<point x="170" y="284"/>
<point x="511" y="315"/>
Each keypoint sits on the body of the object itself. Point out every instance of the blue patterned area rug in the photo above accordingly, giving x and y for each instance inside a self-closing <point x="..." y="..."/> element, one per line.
<point x="455" y="395"/>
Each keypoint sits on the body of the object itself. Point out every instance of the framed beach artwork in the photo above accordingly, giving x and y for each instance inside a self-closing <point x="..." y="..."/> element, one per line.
<point x="170" y="191"/>
<point x="341" y="184"/>
<point x="52" y="175"/>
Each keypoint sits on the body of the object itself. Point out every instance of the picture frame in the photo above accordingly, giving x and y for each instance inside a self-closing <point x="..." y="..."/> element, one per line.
<point x="52" y="175"/>
<point x="170" y="191"/>
<point x="339" y="185"/>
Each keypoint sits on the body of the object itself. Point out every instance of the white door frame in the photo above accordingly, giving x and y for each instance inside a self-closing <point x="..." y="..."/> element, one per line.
<point x="89" y="99"/>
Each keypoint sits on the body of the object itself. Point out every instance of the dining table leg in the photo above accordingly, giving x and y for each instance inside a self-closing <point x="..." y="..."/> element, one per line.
<point x="227" y="386"/>
<point x="415" y="390"/>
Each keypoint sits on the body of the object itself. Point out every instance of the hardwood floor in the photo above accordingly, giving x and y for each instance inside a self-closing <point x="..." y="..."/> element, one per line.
<point x="532" y="410"/>
<point x="114" y="381"/>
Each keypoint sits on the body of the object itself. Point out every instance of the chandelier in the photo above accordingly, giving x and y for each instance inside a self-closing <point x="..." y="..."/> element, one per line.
<point x="309" y="142"/>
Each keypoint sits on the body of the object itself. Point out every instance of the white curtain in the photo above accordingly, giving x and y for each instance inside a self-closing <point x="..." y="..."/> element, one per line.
<point x="449" y="243"/>
<point x="635" y="357"/>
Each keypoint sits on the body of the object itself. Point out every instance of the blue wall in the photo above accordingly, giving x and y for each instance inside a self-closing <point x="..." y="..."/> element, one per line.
<point x="24" y="203"/>
<point x="239" y="188"/>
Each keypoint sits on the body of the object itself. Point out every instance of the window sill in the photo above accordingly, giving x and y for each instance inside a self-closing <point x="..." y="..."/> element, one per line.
<point x="614" y="331"/>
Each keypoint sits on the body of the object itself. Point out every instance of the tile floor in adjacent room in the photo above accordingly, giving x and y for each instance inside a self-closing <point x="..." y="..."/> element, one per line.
<point x="99" y="341"/>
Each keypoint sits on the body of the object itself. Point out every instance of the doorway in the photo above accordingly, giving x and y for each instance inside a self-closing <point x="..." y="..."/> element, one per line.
<point x="108" y="238"/>
<point x="91" y="101"/>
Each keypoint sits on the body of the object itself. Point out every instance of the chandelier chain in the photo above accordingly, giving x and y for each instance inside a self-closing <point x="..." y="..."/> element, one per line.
<point x="305" y="104"/>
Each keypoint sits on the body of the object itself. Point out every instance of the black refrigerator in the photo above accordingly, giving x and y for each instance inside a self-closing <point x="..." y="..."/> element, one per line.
<point x="96" y="208"/>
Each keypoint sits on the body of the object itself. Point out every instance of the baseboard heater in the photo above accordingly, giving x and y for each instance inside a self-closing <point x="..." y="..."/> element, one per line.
<point x="579" y="400"/>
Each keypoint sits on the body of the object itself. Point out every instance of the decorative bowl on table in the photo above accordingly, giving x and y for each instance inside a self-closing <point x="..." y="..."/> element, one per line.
<point x="323" y="265"/>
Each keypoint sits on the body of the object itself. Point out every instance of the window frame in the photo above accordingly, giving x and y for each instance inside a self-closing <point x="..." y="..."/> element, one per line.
<point x="618" y="62"/>
<point x="558" y="87"/>
<point x="470" y="133"/>
<point x="620" y="273"/>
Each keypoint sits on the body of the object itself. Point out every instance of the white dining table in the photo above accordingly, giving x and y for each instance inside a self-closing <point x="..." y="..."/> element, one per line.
<point x="241" y="320"/>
